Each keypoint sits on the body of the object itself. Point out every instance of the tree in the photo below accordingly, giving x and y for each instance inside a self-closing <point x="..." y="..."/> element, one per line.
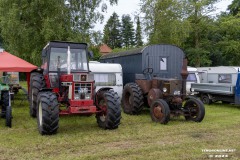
<point x="197" y="43"/>
<point x="127" y="31"/>
<point x="111" y="31"/>
<point x="185" y="23"/>
<point x="27" y="25"/>
<point x="138" y="34"/>
<point x="165" y="21"/>
<point x="227" y="43"/>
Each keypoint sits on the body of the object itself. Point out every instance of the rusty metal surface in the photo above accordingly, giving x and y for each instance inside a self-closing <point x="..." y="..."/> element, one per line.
<point x="157" y="111"/>
<point x="154" y="94"/>
<point x="145" y="85"/>
<point x="184" y="74"/>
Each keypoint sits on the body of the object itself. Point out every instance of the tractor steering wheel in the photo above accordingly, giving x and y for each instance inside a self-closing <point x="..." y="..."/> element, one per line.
<point x="148" y="71"/>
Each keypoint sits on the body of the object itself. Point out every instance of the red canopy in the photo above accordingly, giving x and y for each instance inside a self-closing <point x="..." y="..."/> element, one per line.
<point x="11" y="63"/>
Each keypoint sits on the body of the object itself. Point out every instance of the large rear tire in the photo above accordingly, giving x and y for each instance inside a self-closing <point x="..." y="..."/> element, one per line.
<point x="160" y="111"/>
<point x="109" y="103"/>
<point x="132" y="99"/>
<point x="47" y="113"/>
<point x="36" y="83"/>
<point x="195" y="110"/>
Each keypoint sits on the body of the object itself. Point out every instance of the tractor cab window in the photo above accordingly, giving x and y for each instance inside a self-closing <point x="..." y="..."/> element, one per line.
<point x="58" y="57"/>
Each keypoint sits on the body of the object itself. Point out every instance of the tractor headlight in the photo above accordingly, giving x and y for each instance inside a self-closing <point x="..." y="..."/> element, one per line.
<point x="164" y="90"/>
<point x="76" y="96"/>
<point x="176" y="93"/>
<point x="87" y="96"/>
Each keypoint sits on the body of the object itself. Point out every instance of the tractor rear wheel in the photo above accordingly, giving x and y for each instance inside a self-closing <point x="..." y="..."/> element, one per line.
<point x="109" y="103"/>
<point x="36" y="83"/>
<point x="47" y="113"/>
<point x="195" y="110"/>
<point x="160" y="111"/>
<point x="9" y="116"/>
<point x="132" y="99"/>
<point x="5" y="103"/>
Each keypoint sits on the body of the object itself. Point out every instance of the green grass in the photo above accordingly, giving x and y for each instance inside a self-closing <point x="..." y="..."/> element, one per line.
<point x="136" y="138"/>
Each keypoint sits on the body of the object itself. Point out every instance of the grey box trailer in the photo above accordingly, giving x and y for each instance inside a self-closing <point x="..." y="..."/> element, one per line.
<point x="156" y="75"/>
<point x="165" y="59"/>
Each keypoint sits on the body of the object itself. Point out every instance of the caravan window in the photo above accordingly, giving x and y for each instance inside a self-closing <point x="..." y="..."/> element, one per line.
<point x="224" y="78"/>
<point x="105" y="79"/>
<point x="192" y="77"/>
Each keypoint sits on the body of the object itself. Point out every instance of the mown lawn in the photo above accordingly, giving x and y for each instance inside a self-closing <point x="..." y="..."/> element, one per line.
<point x="136" y="138"/>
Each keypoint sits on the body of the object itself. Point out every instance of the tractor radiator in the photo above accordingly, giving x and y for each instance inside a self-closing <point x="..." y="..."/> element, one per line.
<point x="82" y="91"/>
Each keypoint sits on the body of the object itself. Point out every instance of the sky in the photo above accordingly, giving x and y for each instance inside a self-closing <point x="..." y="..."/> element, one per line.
<point x="132" y="6"/>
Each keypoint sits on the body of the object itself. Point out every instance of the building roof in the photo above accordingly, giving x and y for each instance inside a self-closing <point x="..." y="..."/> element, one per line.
<point x="105" y="49"/>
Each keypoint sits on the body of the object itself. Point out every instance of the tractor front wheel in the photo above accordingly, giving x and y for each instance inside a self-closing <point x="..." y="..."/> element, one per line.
<point x="36" y="83"/>
<point x="194" y="110"/>
<point x="132" y="99"/>
<point x="160" y="111"/>
<point x="47" y="113"/>
<point x="5" y="102"/>
<point x="9" y="116"/>
<point x="109" y="103"/>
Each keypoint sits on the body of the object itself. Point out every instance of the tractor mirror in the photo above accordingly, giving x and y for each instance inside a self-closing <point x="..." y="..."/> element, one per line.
<point x="90" y="54"/>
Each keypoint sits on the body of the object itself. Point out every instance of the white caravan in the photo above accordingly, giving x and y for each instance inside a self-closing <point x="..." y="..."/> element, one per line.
<point x="107" y="75"/>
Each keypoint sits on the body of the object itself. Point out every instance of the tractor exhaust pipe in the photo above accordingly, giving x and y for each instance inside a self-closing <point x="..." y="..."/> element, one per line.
<point x="184" y="74"/>
<point x="68" y="60"/>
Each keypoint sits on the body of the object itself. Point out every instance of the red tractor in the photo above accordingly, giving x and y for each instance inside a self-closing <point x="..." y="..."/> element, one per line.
<point x="63" y="86"/>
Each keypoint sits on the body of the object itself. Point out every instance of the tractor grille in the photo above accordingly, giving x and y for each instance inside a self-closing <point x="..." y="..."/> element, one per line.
<point x="82" y="91"/>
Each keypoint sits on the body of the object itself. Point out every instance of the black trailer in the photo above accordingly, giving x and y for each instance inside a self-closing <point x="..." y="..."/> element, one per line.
<point x="166" y="61"/>
<point x="156" y="75"/>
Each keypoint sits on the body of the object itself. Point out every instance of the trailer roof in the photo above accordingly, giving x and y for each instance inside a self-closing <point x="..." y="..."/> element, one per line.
<point x="220" y="69"/>
<point x="123" y="53"/>
<point x="96" y="67"/>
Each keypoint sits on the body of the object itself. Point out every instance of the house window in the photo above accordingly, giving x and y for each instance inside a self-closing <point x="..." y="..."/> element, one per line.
<point x="224" y="78"/>
<point x="163" y="63"/>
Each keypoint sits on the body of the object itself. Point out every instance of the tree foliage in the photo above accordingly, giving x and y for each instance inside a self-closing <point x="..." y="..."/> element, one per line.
<point x="27" y="25"/>
<point x="234" y="8"/>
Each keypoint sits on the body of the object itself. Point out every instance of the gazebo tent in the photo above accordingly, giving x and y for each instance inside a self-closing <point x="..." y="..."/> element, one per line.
<point x="11" y="63"/>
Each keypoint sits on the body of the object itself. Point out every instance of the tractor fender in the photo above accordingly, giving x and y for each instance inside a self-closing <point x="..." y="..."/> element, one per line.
<point x="101" y="89"/>
<point x="153" y="95"/>
<point x="39" y="70"/>
<point x="190" y="97"/>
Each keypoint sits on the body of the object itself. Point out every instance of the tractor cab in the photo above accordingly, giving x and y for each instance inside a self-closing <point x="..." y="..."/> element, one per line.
<point x="61" y="58"/>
